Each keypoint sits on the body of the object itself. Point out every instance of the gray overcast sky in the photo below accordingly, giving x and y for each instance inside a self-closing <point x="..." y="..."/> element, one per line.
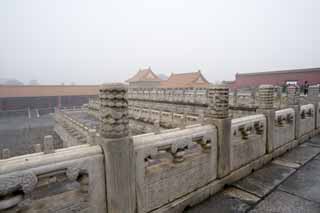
<point x="93" y="41"/>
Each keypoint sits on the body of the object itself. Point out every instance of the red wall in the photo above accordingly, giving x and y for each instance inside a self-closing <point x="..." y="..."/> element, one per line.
<point x="276" y="78"/>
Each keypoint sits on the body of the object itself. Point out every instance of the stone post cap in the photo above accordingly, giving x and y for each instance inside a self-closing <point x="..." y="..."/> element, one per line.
<point x="266" y="92"/>
<point x="114" y="110"/>
<point x="218" y="101"/>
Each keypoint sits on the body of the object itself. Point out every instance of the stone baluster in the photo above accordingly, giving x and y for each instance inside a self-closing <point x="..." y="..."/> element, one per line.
<point x="313" y="97"/>
<point x="293" y="96"/>
<point x="160" y="117"/>
<point x="218" y="112"/>
<point x="5" y="153"/>
<point x="156" y="127"/>
<point x="280" y="96"/>
<point x="37" y="148"/>
<point x="235" y="97"/>
<point x="266" y="102"/>
<point x="172" y="119"/>
<point x="91" y="137"/>
<point x="183" y="98"/>
<point x="253" y="96"/>
<point x="201" y="118"/>
<point x="118" y="148"/>
<point x="48" y="144"/>
<point x="183" y="121"/>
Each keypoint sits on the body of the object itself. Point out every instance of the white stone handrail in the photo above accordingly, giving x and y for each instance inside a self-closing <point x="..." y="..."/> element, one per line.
<point x="167" y="119"/>
<point x="248" y="139"/>
<point x="194" y="96"/>
<point x="190" y="153"/>
<point x="20" y="176"/>
<point x="284" y="117"/>
<point x="307" y="111"/>
<point x="307" y="119"/>
<point x="284" y="128"/>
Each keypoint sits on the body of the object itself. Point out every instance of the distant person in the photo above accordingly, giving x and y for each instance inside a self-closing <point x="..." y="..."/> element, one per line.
<point x="305" y="88"/>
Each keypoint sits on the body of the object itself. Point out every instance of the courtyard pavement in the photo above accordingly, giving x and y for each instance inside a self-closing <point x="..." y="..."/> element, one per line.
<point x="18" y="133"/>
<point x="289" y="184"/>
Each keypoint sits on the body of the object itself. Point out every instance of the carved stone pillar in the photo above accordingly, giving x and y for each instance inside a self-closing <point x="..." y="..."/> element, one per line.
<point x="266" y="96"/>
<point x="266" y="93"/>
<point x="294" y="102"/>
<point x="218" y="102"/>
<point x="118" y="148"/>
<point x="218" y="112"/>
<point x="293" y="95"/>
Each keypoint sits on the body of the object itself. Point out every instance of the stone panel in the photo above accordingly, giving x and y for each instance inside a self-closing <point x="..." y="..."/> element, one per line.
<point x="307" y="121"/>
<point x="170" y="165"/>
<point x="284" y="129"/>
<point x="248" y="139"/>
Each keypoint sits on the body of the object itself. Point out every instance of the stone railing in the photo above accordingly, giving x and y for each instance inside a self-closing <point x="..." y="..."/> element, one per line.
<point x="71" y="131"/>
<point x="164" y="171"/>
<point x="284" y="127"/>
<point x="248" y="140"/>
<point x="172" y="164"/>
<point x="63" y="180"/>
<point x="307" y="119"/>
<point x="165" y="119"/>
<point x="187" y="96"/>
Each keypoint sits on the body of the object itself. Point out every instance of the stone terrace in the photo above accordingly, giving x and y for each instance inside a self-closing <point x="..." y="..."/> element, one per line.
<point x="289" y="184"/>
<point x="167" y="170"/>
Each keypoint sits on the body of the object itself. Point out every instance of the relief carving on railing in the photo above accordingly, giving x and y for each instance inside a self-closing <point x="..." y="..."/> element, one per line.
<point x="259" y="127"/>
<point x="73" y="172"/>
<point x="26" y="181"/>
<point x="284" y="117"/>
<point x="307" y="111"/>
<point x="178" y="148"/>
<point x="205" y="143"/>
<point x="248" y="129"/>
<point x="12" y="184"/>
<point x="244" y="131"/>
<point x="248" y="126"/>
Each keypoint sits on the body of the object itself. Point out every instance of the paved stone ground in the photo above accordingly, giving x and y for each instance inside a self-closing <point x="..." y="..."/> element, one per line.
<point x="289" y="184"/>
